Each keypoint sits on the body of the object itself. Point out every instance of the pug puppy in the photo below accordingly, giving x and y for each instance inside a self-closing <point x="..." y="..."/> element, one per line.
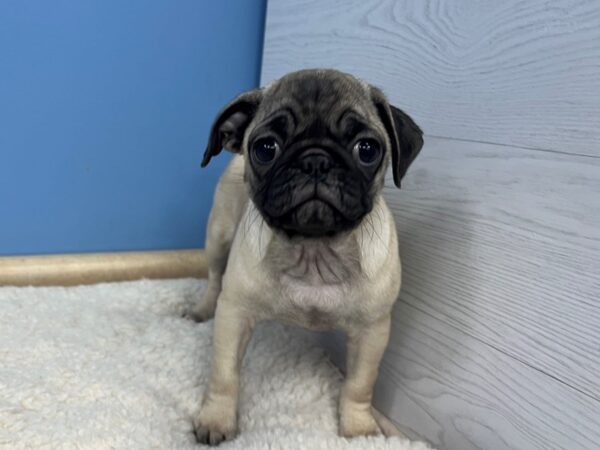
<point x="299" y="231"/>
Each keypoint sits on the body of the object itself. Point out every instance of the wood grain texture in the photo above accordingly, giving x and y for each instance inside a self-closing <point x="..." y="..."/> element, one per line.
<point x="500" y="248"/>
<point x="524" y="73"/>
<point x="460" y="393"/>
<point x="504" y="245"/>
<point x="439" y="383"/>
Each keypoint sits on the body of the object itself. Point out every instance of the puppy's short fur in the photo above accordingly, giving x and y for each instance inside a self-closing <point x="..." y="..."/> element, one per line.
<point x="300" y="233"/>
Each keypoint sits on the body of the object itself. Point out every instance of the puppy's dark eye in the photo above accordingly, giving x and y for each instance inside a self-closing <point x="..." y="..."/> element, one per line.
<point x="265" y="150"/>
<point x="367" y="151"/>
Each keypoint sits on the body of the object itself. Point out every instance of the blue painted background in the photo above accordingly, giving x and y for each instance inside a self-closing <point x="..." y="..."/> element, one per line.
<point x="105" y="108"/>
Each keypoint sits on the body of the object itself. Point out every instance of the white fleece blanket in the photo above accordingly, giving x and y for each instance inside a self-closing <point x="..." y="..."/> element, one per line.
<point x="115" y="366"/>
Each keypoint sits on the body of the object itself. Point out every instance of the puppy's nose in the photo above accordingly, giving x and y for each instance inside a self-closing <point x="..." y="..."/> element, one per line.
<point x="315" y="162"/>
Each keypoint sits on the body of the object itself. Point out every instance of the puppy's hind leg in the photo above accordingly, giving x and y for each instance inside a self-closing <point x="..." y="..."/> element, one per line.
<point x="229" y="203"/>
<point x="218" y="245"/>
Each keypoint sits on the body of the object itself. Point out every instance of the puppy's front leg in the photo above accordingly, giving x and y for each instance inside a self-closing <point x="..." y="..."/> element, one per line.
<point x="217" y="420"/>
<point x="364" y="351"/>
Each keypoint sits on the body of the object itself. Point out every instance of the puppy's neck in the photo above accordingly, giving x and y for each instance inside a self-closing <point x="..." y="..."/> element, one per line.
<point x="324" y="260"/>
<point x="315" y="262"/>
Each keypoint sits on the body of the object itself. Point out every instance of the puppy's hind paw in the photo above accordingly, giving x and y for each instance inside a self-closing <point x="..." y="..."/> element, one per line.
<point x="197" y="316"/>
<point x="203" y="310"/>
<point x="200" y="312"/>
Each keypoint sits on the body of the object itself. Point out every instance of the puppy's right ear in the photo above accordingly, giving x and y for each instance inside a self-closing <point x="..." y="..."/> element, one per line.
<point x="228" y="129"/>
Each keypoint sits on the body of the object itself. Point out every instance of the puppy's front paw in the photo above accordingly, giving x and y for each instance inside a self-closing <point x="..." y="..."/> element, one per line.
<point x="215" y="424"/>
<point x="354" y="422"/>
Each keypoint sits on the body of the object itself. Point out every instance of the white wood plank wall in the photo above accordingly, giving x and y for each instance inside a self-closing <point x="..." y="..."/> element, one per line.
<point x="496" y="338"/>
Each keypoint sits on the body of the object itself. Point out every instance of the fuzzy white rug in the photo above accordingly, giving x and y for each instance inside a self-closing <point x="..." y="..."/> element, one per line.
<point x="114" y="366"/>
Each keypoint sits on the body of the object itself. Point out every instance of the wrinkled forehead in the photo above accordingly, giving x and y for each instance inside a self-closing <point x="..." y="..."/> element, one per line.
<point x="317" y="92"/>
<point x="334" y="100"/>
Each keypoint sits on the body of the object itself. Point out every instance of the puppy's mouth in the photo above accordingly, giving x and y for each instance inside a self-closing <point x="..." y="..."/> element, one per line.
<point x="314" y="217"/>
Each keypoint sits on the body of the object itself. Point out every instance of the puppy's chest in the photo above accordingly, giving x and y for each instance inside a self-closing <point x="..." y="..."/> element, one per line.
<point x="315" y="281"/>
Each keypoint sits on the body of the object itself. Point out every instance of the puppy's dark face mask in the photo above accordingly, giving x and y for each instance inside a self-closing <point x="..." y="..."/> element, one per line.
<point x="317" y="144"/>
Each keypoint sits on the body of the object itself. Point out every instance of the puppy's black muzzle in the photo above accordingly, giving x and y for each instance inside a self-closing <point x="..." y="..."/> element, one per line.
<point x="315" y="192"/>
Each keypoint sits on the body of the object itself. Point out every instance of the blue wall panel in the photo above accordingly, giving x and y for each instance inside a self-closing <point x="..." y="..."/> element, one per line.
<point x="105" y="108"/>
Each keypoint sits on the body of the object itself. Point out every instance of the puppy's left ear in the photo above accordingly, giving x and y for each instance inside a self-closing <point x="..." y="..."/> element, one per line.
<point x="406" y="137"/>
<point x="230" y="125"/>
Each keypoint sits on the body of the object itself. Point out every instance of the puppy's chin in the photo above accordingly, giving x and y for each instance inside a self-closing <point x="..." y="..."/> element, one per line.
<point x="312" y="219"/>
